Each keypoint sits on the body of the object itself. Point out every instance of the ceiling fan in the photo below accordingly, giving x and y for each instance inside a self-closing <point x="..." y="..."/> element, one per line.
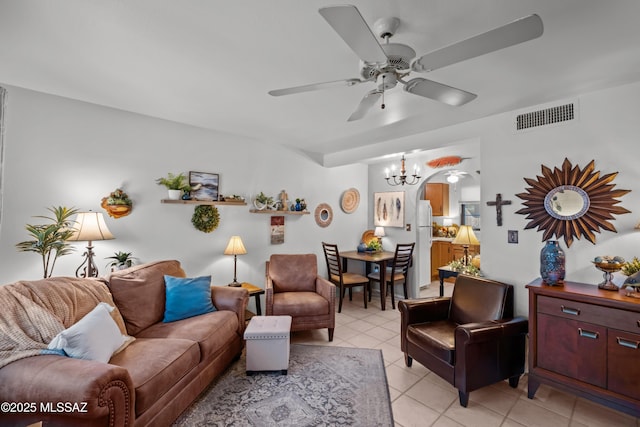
<point x="388" y="64"/>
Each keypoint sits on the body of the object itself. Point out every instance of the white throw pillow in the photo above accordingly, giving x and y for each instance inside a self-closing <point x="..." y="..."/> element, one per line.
<point x="94" y="337"/>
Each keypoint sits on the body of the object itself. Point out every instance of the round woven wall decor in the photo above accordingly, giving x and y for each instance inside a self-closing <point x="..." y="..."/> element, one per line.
<point x="323" y="215"/>
<point x="350" y="200"/>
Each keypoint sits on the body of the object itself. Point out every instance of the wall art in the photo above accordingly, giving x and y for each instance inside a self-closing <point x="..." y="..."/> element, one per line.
<point x="207" y="184"/>
<point x="570" y="202"/>
<point x="388" y="209"/>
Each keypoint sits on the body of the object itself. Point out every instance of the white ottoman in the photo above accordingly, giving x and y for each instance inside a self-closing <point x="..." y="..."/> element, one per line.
<point x="268" y="344"/>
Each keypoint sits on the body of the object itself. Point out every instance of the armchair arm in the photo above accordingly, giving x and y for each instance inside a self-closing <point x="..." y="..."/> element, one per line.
<point x="98" y="393"/>
<point x="326" y="289"/>
<point x="424" y="310"/>
<point x="489" y="352"/>
<point x="491" y="331"/>
<point x="233" y="299"/>
<point x="268" y="296"/>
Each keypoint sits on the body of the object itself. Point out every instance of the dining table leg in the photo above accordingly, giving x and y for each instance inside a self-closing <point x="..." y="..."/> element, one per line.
<point x="383" y="284"/>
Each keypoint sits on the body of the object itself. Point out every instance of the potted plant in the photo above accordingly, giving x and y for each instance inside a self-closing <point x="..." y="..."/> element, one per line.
<point x="50" y="240"/>
<point x="117" y="204"/>
<point x="262" y="201"/>
<point x="121" y="260"/>
<point x="175" y="184"/>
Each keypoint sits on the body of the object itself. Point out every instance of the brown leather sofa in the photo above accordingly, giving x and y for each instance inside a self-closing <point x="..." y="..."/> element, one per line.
<point x="470" y="339"/>
<point x="149" y="383"/>
<point x="293" y="287"/>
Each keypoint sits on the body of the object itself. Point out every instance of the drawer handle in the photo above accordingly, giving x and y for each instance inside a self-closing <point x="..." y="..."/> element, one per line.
<point x="588" y="334"/>
<point x="629" y="344"/>
<point x="568" y="310"/>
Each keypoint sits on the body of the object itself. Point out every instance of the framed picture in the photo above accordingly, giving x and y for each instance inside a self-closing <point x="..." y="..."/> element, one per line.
<point x="388" y="209"/>
<point x="277" y="230"/>
<point x="209" y="185"/>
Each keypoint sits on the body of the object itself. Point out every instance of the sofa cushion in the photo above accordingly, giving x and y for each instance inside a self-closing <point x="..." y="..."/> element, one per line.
<point x="187" y="297"/>
<point x="142" y="286"/>
<point x="299" y="304"/>
<point x="211" y="331"/>
<point x="156" y="365"/>
<point x="437" y="338"/>
<point x="94" y="337"/>
<point x="293" y="272"/>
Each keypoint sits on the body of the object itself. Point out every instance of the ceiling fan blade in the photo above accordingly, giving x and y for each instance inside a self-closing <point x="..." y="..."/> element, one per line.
<point x="519" y="31"/>
<point x="365" y="104"/>
<point x="350" y="25"/>
<point x="439" y="92"/>
<point x="314" y="86"/>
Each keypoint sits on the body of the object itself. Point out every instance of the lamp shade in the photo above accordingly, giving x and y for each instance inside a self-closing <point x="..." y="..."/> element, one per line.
<point x="235" y="246"/>
<point x="465" y="236"/>
<point x="379" y="232"/>
<point x="90" y="226"/>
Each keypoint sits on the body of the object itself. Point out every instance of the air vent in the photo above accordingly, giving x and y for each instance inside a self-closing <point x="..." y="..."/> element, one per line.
<point x="548" y="116"/>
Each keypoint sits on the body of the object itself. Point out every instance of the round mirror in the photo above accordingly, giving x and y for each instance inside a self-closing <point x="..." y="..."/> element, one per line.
<point x="566" y="202"/>
<point x="323" y="215"/>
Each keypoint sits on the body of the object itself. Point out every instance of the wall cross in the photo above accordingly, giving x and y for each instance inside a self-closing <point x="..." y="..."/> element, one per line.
<point x="498" y="204"/>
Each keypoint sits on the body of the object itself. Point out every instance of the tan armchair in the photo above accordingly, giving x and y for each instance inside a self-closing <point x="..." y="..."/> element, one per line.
<point x="294" y="288"/>
<point x="470" y="339"/>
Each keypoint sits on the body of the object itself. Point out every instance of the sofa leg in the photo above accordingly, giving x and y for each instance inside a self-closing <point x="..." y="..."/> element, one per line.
<point x="408" y="360"/>
<point x="464" y="398"/>
<point x="513" y="381"/>
<point x="330" y="334"/>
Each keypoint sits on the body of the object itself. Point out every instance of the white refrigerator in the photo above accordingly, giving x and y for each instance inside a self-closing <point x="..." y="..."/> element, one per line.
<point x="424" y="239"/>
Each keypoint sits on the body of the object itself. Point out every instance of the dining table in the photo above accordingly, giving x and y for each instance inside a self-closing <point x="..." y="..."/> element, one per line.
<point x="381" y="258"/>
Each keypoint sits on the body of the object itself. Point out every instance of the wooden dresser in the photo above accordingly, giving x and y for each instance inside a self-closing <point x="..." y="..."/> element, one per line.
<point x="585" y="341"/>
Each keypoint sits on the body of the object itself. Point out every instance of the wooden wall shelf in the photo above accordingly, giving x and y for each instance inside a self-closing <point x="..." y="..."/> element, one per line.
<point x="202" y="202"/>
<point x="272" y="212"/>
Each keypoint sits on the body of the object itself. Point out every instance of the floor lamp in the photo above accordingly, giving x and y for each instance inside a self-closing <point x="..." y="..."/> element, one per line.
<point x="235" y="248"/>
<point x="89" y="226"/>
<point x="465" y="237"/>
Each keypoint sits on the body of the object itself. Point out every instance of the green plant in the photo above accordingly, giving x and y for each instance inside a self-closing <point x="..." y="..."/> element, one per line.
<point x="118" y="197"/>
<point x="174" y="182"/>
<point x="631" y="267"/>
<point x="264" y="199"/>
<point x="120" y="259"/>
<point x="469" y="269"/>
<point x="50" y="240"/>
<point x="374" y="245"/>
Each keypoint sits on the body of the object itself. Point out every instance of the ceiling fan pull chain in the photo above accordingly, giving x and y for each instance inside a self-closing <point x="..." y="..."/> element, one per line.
<point x="382" y="105"/>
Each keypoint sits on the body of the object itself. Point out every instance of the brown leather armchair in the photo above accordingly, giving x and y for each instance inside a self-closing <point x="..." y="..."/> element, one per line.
<point x="469" y="339"/>
<point x="294" y="288"/>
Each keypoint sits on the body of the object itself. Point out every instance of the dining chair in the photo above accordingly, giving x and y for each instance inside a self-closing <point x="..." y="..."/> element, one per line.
<point x="342" y="279"/>
<point x="398" y="272"/>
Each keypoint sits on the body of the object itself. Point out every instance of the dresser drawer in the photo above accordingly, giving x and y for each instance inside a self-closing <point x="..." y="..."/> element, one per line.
<point x="613" y="318"/>
<point x="573" y="310"/>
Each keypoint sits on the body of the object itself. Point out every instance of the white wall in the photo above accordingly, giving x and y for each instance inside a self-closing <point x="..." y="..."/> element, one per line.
<point x="606" y="131"/>
<point x="63" y="152"/>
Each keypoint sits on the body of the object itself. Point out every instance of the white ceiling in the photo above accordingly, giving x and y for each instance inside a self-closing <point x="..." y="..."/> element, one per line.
<point x="210" y="63"/>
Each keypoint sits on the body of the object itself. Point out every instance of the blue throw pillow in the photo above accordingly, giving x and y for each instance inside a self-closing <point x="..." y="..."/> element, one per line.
<point x="187" y="297"/>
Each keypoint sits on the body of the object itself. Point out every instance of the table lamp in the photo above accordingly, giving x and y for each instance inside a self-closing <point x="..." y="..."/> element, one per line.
<point x="89" y="226"/>
<point x="465" y="237"/>
<point x="379" y="233"/>
<point x="235" y="248"/>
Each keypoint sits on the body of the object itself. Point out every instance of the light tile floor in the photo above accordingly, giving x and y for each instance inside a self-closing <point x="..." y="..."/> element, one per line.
<point x="421" y="398"/>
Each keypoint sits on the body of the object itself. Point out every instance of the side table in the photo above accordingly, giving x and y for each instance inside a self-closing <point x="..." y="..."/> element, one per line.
<point x="443" y="273"/>
<point x="255" y="292"/>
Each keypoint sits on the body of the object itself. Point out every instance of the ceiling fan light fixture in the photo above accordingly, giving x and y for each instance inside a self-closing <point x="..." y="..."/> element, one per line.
<point x="453" y="179"/>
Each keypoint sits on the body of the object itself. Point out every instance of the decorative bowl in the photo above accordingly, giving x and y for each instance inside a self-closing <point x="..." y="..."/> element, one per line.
<point x="608" y="265"/>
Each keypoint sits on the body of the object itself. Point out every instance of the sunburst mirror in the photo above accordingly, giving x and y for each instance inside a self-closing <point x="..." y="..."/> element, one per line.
<point x="571" y="202"/>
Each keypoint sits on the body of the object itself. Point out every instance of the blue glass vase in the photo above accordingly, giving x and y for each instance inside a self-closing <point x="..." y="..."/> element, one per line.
<point x="552" y="263"/>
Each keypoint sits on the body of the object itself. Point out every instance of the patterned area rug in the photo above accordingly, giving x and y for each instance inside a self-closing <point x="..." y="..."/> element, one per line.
<point x="325" y="386"/>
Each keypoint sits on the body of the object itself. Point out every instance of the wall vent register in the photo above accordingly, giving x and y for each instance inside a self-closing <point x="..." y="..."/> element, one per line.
<point x="548" y="116"/>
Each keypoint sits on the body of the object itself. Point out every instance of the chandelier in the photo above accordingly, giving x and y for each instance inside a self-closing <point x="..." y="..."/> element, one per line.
<point x="395" y="179"/>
